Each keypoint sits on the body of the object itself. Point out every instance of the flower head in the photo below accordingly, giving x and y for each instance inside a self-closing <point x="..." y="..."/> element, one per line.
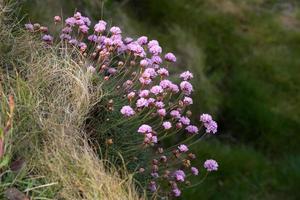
<point x="211" y="165"/>
<point x="47" y="38"/>
<point x="211" y="127"/>
<point x="188" y="101"/>
<point x="142" y="102"/>
<point x="142" y="40"/>
<point x="179" y="175"/>
<point x="185" y="120"/>
<point x="194" y="171"/>
<point x="156" y="89"/>
<point x="127" y="111"/>
<point x="192" y="129"/>
<point x="152" y="186"/>
<point x="205" y="118"/>
<point x="187" y="75"/>
<point x="115" y="30"/>
<point x="176" y="192"/>
<point x="167" y="125"/>
<point x="144" y="93"/>
<point x="163" y="72"/>
<point x="162" y="112"/>
<point x="186" y="87"/>
<point x="183" y="148"/>
<point x="29" y="27"/>
<point x="175" y="114"/>
<point x="57" y="18"/>
<point x="100" y="26"/>
<point x="170" y="57"/>
<point x="145" y="129"/>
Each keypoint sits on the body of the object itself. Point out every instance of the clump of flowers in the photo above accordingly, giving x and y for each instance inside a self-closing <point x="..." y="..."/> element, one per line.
<point x="136" y="71"/>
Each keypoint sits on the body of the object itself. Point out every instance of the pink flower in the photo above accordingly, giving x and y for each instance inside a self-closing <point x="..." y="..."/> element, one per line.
<point x="187" y="101"/>
<point x="183" y="148"/>
<point x="151" y="101"/>
<point x="165" y="84"/>
<point x="66" y="30"/>
<point x="152" y="186"/>
<point x="211" y="165"/>
<point x="142" y="102"/>
<point x="29" y="27"/>
<point x="150" y="138"/>
<point x="145" y="129"/>
<point x="151" y="71"/>
<point x="144" y="63"/>
<point x="57" y="18"/>
<point x="144" y="93"/>
<point x="186" y="75"/>
<point x="156" y="59"/>
<point x="86" y="20"/>
<point x="79" y="22"/>
<point x="186" y="87"/>
<point x="82" y="46"/>
<point x="115" y="30"/>
<point x="83" y="28"/>
<point x="111" y="70"/>
<point x="167" y="125"/>
<point x="128" y="40"/>
<point x="179" y="175"/>
<point x="131" y="95"/>
<point x="162" y="112"/>
<point x="155" y="49"/>
<point x="170" y="57"/>
<point x="70" y="21"/>
<point x="211" y="127"/>
<point x="93" y="38"/>
<point x="194" y="171"/>
<point x="184" y="120"/>
<point x="153" y="43"/>
<point x="47" y="38"/>
<point x="159" y="104"/>
<point x="73" y="42"/>
<point x="175" y="114"/>
<point x="142" y="40"/>
<point x="145" y="81"/>
<point x="127" y="111"/>
<point x="192" y="129"/>
<point x="156" y="89"/>
<point x="91" y="69"/>
<point x="77" y="15"/>
<point x="107" y="41"/>
<point x="100" y="26"/>
<point x="65" y="37"/>
<point x="205" y="118"/>
<point x="163" y="72"/>
<point x="174" y="88"/>
<point x="176" y="192"/>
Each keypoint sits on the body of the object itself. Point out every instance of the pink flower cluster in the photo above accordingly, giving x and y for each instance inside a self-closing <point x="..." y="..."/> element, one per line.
<point x="148" y="93"/>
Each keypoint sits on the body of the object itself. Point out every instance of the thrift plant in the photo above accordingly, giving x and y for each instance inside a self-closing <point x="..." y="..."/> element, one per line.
<point x="146" y="116"/>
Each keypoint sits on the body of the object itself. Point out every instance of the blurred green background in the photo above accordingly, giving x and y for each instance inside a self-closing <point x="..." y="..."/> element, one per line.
<point x="245" y="55"/>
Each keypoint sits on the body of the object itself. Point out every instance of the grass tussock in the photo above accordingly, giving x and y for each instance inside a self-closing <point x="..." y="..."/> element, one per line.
<point x="53" y="96"/>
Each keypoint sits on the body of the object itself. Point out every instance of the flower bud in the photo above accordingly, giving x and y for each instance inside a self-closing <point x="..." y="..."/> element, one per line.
<point x="44" y="29"/>
<point x="109" y="141"/>
<point x="192" y="156"/>
<point x="120" y="64"/>
<point x="178" y="125"/>
<point x="57" y="19"/>
<point x="141" y="170"/>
